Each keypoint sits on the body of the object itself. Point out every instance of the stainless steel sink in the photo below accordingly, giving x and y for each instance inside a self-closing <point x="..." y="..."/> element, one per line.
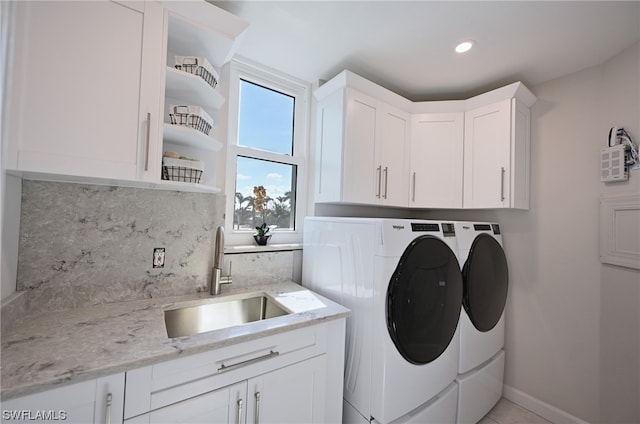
<point x="190" y="320"/>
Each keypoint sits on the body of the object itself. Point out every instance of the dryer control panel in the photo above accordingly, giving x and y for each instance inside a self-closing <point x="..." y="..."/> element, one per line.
<point x="424" y="227"/>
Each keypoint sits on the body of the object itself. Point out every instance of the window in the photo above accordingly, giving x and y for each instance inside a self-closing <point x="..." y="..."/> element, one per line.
<point x="268" y="115"/>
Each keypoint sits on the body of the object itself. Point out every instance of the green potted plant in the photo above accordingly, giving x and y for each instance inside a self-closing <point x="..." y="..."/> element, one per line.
<point x="260" y="201"/>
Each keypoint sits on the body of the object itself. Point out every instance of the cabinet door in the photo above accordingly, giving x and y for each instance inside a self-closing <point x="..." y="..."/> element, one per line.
<point x="79" y="403"/>
<point x="487" y="152"/>
<point x="294" y="394"/>
<point x="392" y="156"/>
<point x="436" y="160"/>
<point x="362" y="150"/>
<point x="226" y="405"/>
<point x="361" y="174"/>
<point x="109" y="400"/>
<point x="84" y="84"/>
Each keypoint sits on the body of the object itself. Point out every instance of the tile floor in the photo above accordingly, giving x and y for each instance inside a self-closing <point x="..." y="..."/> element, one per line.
<point x="507" y="412"/>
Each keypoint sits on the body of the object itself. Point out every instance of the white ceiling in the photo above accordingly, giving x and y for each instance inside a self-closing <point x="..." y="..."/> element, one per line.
<point x="407" y="46"/>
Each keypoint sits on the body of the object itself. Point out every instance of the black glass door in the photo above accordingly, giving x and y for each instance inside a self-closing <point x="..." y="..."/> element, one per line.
<point x="486" y="282"/>
<point x="424" y="299"/>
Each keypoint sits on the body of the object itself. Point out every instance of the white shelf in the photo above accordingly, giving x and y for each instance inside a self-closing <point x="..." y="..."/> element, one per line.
<point x="185" y="136"/>
<point x="192" y="187"/>
<point x="192" y="90"/>
<point x="190" y="37"/>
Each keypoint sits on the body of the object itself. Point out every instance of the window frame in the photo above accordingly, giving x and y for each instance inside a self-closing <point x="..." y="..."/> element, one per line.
<point x="241" y="69"/>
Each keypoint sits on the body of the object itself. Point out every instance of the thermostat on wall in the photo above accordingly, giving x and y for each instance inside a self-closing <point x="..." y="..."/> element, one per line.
<point x="613" y="165"/>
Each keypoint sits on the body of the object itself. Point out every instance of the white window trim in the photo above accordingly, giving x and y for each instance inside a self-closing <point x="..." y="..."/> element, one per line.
<point x="241" y="68"/>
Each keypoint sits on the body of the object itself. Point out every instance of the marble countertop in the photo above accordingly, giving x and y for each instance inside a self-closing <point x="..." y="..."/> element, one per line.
<point x="49" y="350"/>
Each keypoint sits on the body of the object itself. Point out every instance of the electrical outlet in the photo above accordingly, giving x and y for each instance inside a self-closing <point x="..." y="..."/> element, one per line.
<point x="158" y="257"/>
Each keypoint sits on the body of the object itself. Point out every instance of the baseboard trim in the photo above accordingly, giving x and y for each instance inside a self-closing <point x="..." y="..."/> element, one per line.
<point x="546" y="411"/>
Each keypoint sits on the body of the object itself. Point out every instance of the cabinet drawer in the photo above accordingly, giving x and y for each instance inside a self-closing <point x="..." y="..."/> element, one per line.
<point x="159" y="385"/>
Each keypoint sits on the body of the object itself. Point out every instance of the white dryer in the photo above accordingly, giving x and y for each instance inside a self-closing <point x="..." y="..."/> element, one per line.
<point x="402" y="281"/>
<point x="486" y="280"/>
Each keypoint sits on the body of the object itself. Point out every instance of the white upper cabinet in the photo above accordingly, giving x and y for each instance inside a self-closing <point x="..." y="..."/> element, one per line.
<point x="392" y="156"/>
<point x="436" y="160"/>
<point x="84" y="99"/>
<point x="361" y="149"/>
<point x="374" y="147"/>
<point x="359" y="165"/>
<point x="496" y="156"/>
<point x="92" y="83"/>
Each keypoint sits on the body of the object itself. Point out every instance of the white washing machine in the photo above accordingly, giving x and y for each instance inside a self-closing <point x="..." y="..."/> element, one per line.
<point x="402" y="281"/>
<point x="486" y="280"/>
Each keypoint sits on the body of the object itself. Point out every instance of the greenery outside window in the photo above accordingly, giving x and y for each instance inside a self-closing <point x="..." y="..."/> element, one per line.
<point x="267" y="133"/>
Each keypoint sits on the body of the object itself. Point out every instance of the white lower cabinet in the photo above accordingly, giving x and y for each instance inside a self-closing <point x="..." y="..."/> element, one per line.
<point x="99" y="401"/>
<point x="291" y="377"/>
<point x="292" y="394"/>
<point x="226" y="405"/>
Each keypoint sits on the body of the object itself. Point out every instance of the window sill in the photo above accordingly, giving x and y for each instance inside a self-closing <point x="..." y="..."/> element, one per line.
<point x="268" y="248"/>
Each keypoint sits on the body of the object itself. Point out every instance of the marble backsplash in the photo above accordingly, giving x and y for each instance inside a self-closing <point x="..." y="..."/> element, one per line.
<point x="83" y="245"/>
<point x="86" y="244"/>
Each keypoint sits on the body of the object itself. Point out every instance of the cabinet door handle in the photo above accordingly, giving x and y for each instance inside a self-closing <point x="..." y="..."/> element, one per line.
<point x="223" y="367"/>
<point x="146" y="150"/>
<point x="257" y="414"/>
<point x="379" y="172"/>
<point x="386" y="181"/>
<point x="239" y="411"/>
<point x="107" y="415"/>
<point x="413" y="184"/>
<point x="502" y="171"/>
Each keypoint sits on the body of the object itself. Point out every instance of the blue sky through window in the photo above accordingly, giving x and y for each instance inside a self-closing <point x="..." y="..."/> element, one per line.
<point x="265" y="119"/>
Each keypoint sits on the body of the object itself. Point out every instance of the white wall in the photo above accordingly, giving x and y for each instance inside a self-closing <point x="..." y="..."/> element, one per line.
<point x="620" y="287"/>
<point x="573" y="323"/>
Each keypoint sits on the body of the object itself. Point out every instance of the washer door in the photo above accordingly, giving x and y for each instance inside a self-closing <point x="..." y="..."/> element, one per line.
<point x="424" y="299"/>
<point x="486" y="282"/>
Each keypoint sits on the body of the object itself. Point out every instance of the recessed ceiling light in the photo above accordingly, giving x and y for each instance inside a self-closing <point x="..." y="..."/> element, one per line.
<point x="465" y="46"/>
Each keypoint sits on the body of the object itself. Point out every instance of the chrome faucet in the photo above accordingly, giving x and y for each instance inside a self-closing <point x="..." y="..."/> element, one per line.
<point x="217" y="279"/>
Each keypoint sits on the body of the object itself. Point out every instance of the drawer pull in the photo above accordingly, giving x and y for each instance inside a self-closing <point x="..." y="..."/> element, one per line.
<point x="224" y="367"/>
<point x="502" y="171"/>
<point x="413" y="193"/>
<point x="386" y="181"/>
<point x="256" y="418"/>
<point x="107" y="417"/>
<point x="239" y="411"/>
<point x="146" y="151"/>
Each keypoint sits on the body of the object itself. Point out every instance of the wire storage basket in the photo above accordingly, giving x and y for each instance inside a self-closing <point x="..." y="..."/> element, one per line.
<point x="182" y="170"/>
<point x="199" y="66"/>
<point x="192" y="117"/>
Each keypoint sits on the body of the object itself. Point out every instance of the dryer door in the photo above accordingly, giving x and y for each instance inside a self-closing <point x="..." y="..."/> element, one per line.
<point x="424" y="299"/>
<point x="486" y="281"/>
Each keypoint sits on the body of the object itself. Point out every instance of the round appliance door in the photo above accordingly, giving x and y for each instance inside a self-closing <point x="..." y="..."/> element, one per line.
<point x="424" y="299"/>
<point x="486" y="281"/>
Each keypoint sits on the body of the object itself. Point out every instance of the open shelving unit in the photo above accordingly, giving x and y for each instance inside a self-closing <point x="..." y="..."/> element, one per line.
<point x="200" y="30"/>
